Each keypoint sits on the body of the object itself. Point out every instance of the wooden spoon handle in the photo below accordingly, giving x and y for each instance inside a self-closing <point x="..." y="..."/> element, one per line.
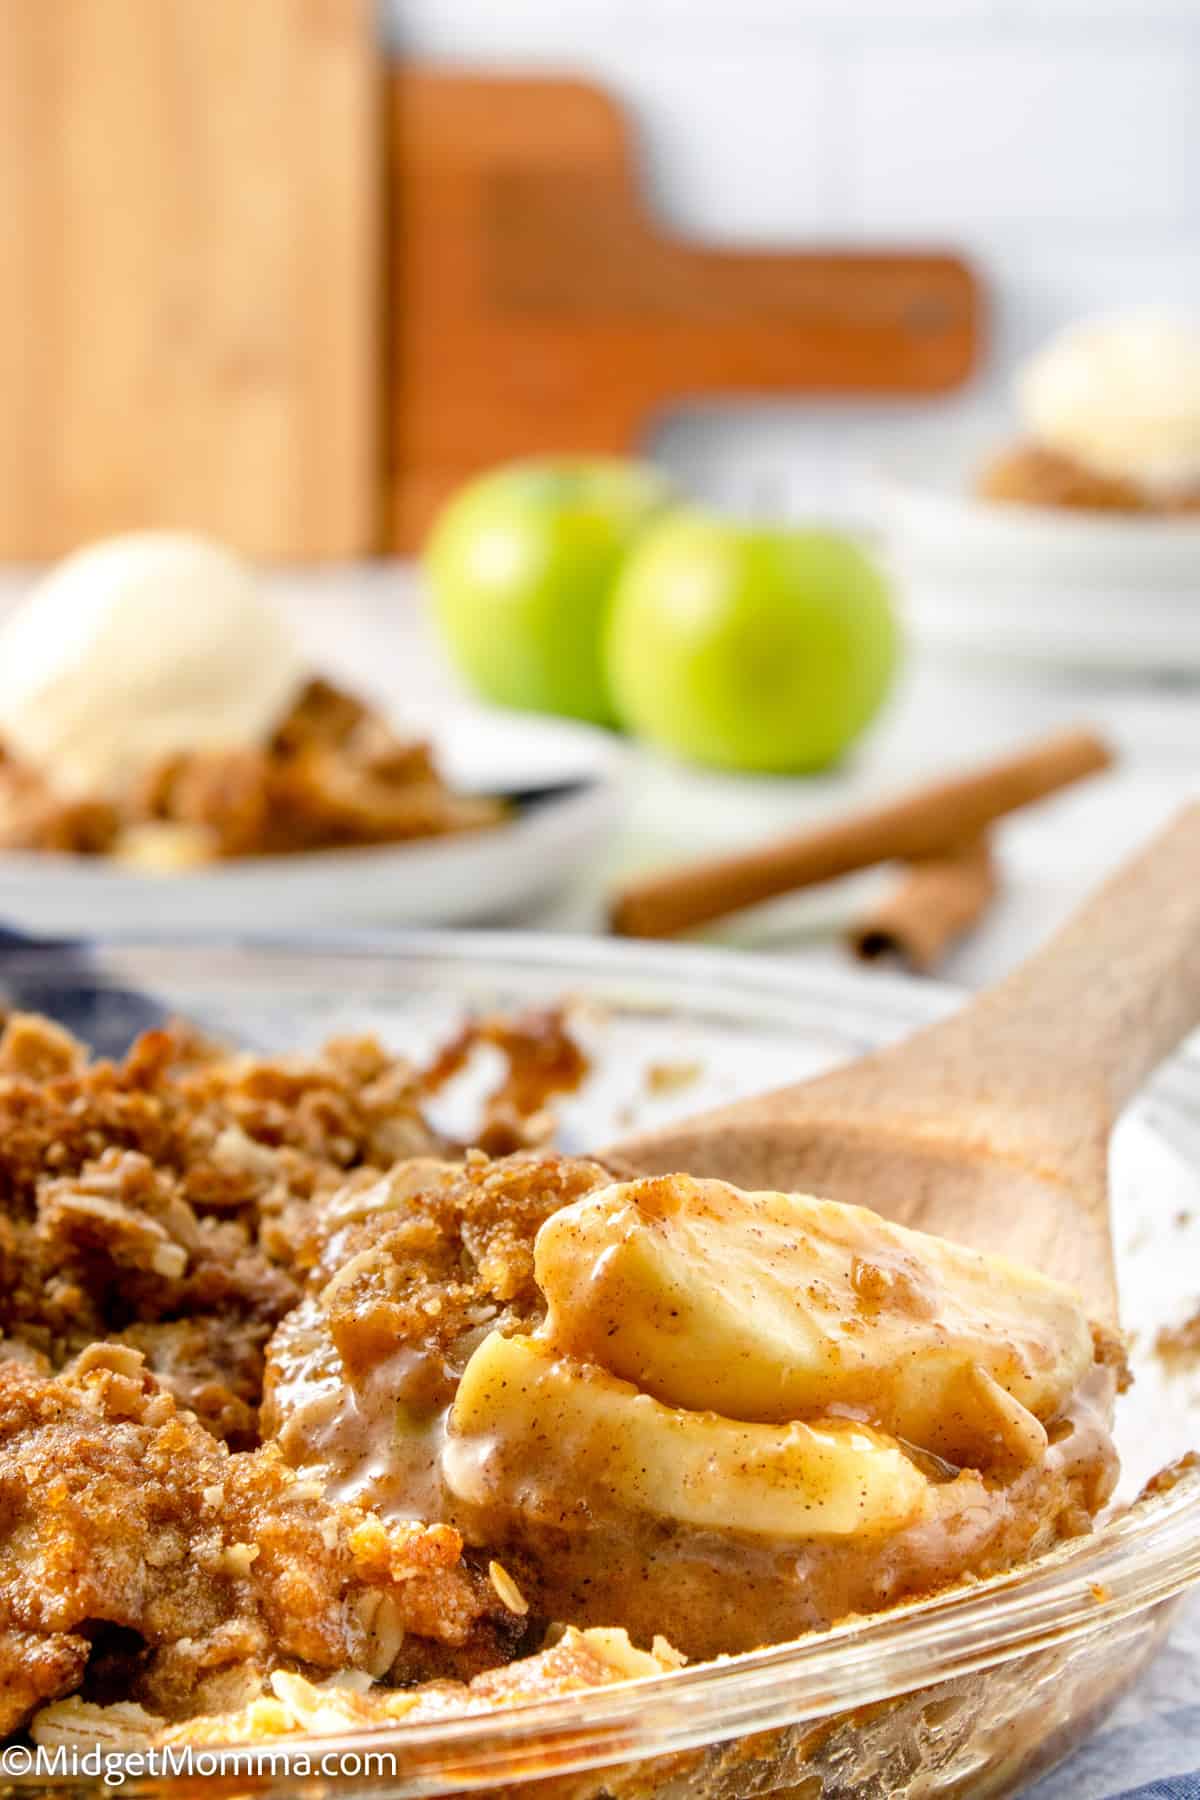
<point x="1105" y="1000"/>
<point x="992" y="1126"/>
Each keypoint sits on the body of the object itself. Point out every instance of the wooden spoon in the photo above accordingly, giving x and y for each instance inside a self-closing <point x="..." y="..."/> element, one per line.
<point x="992" y="1126"/>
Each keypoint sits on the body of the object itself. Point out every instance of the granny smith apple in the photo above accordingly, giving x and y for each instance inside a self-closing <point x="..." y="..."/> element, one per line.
<point x="748" y="646"/>
<point x="521" y="567"/>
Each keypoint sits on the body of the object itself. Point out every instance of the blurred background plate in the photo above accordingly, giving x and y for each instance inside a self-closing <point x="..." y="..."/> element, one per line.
<point x="472" y="877"/>
<point x="1088" y="590"/>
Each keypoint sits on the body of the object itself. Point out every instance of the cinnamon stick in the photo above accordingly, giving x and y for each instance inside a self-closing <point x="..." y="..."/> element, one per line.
<point x="935" y="902"/>
<point x="918" y="824"/>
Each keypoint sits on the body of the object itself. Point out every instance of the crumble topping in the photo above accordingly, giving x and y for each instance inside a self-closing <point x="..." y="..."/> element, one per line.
<point x="158" y="1218"/>
<point x="294" y="1703"/>
<point x="189" y="1572"/>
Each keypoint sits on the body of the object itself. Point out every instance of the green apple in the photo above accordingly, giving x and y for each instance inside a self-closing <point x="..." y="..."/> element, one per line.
<point x="750" y="646"/>
<point x="521" y="566"/>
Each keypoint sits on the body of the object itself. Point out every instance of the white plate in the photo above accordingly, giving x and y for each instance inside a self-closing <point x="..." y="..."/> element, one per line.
<point x="1066" y="587"/>
<point x="481" y="875"/>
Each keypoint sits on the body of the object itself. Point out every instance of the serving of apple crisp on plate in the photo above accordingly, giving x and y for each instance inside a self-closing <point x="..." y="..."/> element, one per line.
<point x="331" y="774"/>
<point x="335" y="1399"/>
<point x="156" y="708"/>
<point x="173" y="753"/>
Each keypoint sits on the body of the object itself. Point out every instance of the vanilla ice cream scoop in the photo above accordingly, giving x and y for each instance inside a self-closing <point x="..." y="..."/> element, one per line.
<point x="1121" y="395"/>
<point x="136" y="647"/>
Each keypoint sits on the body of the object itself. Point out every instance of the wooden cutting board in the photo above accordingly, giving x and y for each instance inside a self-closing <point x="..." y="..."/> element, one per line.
<point x="189" y="217"/>
<point x="193" y="198"/>
<point x="536" y="305"/>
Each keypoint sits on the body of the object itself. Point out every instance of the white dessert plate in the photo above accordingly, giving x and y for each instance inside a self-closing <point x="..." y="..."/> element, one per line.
<point x="473" y="877"/>
<point x="1040" y="583"/>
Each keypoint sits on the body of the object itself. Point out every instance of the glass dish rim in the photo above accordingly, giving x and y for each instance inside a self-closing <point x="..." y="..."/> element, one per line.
<point x="1137" y="1561"/>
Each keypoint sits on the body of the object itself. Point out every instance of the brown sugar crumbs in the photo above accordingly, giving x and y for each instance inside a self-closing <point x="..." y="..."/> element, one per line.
<point x="158" y="1218"/>
<point x="1179" y="1343"/>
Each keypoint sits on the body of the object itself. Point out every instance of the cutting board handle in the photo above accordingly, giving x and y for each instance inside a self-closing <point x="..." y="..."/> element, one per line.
<point x="541" y="306"/>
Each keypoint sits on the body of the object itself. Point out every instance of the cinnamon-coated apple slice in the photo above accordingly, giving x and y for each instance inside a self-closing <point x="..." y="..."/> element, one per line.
<point x="537" y="1432"/>
<point x="767" y="1306"/>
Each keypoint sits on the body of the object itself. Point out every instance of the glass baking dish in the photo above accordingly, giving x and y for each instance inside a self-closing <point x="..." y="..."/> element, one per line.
<point x="970" y="1693"/>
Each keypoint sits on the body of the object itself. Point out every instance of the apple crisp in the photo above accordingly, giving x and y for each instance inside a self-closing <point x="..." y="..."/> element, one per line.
<point x="677" y="1408"/>
<point x="1034" y="475"/>
<point x="333" y="775"/>
<point x="311" y="1419"/>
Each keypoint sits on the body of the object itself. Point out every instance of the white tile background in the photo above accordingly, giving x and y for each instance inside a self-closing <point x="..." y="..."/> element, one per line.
<point x="1057" y="142"/>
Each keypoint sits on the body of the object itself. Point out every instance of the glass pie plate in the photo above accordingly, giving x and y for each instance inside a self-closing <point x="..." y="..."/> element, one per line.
<point x="972" y="1692"/>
